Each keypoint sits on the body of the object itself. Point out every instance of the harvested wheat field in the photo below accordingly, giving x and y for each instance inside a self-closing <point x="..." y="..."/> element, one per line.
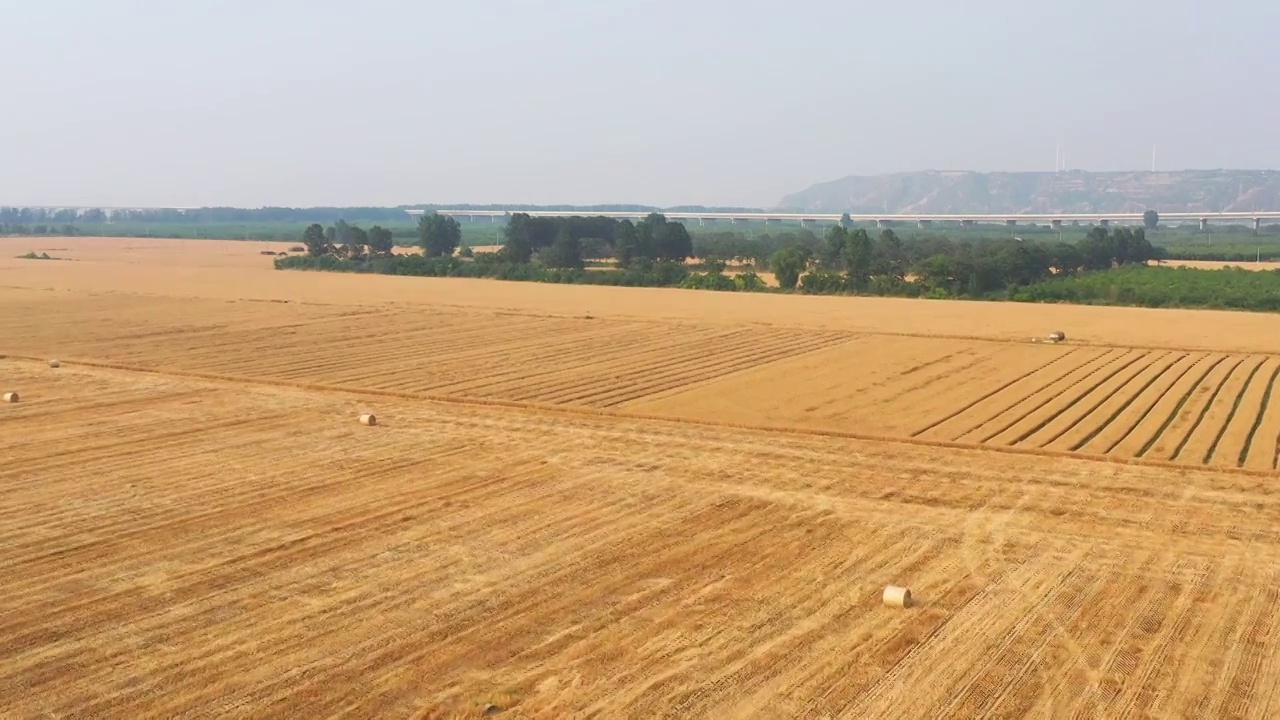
<point x="1219" y="264"/>
<point x="601" y="502"/>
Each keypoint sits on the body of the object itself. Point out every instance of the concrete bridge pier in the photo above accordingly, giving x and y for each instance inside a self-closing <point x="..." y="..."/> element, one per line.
<point x="1011" y="222"/>
<point x="1057" y="224"/>
<point x="922" y="224"/>
<point x="1257" y="224"/>
<point x="1204" y="224"/>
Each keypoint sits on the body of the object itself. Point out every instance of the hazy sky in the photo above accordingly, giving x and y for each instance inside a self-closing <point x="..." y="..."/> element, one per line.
<point x="379" y="102"/>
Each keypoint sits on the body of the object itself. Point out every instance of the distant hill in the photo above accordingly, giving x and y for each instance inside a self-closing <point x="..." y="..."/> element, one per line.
<point x="1074" y="191"/>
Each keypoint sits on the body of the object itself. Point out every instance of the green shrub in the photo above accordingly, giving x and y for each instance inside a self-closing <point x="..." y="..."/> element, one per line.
<point x="824" y="283"/>
<point x="749" y="282"/>
<point x="1232" y="288"/>
<point x="709" y="281"/>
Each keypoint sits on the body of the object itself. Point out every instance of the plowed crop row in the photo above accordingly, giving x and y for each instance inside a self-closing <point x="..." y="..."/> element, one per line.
<point x="1186" y="407"/>
<point x="571" y="361"/>
<point x="1027" y="375"/>
<point x="1030" y="400"/>
<point x="1128" y="428"/>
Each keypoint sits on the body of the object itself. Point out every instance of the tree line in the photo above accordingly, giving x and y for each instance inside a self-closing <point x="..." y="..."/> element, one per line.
<point x="855" y="262"/>
<point x="844" y="261"/>
<point x="438" y="236"/>
<point x="561" y="243"/>
<point x="651" y="252"/>
<point x="347" y="242"/>
<point x="39" y="229"/>
<point x="44" y="216"/>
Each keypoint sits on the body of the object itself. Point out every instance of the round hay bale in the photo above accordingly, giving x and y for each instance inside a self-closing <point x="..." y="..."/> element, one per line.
<point x="54" y="364"/>
<point x="1057" y="336"/>
<point x="897" y="597"/>
<point x="368" y="419"/>
<point x="11" y="397"/>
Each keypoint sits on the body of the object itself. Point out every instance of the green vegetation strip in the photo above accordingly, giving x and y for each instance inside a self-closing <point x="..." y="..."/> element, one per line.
<point x="1109" y="266"/>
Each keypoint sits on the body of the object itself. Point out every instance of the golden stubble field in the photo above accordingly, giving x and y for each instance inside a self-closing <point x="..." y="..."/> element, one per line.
<point x="619" y="503"/>
<point x="1218" y="264"/>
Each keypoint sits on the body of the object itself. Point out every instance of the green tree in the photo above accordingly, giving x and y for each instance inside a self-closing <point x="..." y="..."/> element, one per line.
<point x="788" y="263"/>
<point x="315" y="241"/>
<point x="1097" y="249"/>
<point x="859" y="253"/>
<point x="595" y="248"/>
<point x="937" y="271"/>
<point x="439" y="235"/>
<point x="565" y="252"/>
<point x="889" y="257"/>
<point x="663" y="240"/>
<point x="749" y="281"/>
<point x="1150" y="219"/>
<point x="1121" y="238"/>
<point x="1020" y="263"/>
<point x="823" y="283"/>
<point x="1065" y="259"/>
<point x="518" y="246"/>
<point x="356" y="235"/>
<point x="646" y="232"/>
<point x="380" y="242"/>
<point x="341" y="232"/>
<point x="626" y="244"/>
<point x="832" y="254"/>
<point x="673" y="243"/>
<point x="1140" y="249"/>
